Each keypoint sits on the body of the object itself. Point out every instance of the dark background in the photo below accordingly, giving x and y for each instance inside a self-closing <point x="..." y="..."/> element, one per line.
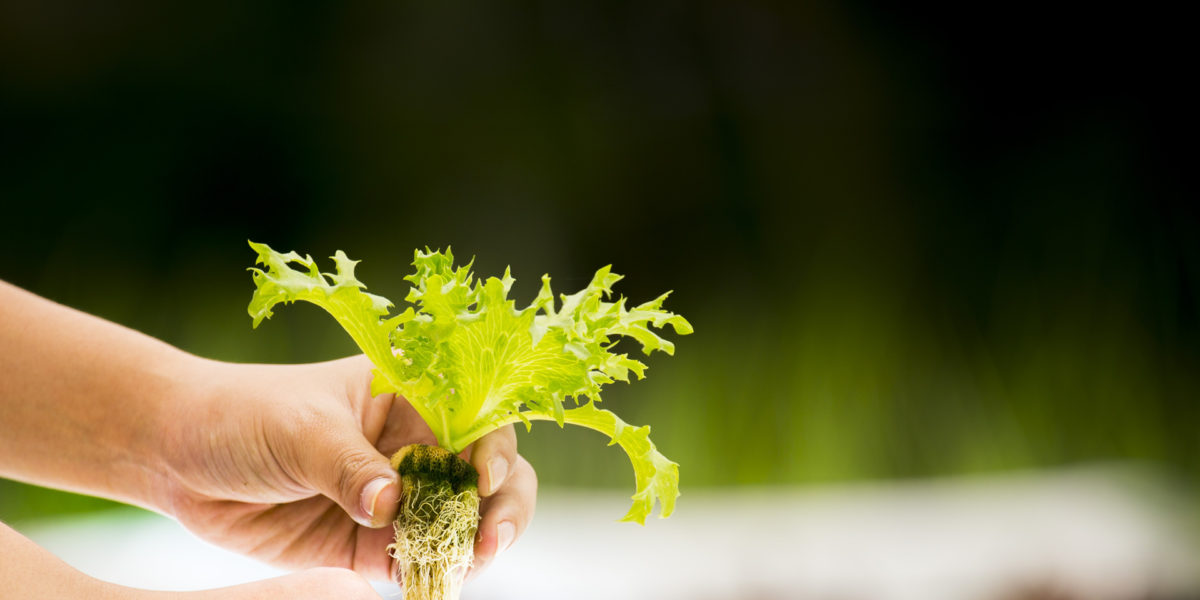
<point x="915" y="240"/>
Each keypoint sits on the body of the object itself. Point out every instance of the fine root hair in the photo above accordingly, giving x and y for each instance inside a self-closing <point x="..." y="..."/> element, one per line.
<point x="435" y="538"/>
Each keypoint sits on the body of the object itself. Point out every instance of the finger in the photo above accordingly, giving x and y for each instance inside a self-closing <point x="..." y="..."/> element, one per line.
<point x="334" y="458"/>
<point x="494" y="456"/>
<point x="404" y="426"/>
<point x="374" y="411"/>
<point x="506" y="515"/>
<point x="313" y="584"/>
<point x="308" y="533"/>
<point x="371" y="557"/>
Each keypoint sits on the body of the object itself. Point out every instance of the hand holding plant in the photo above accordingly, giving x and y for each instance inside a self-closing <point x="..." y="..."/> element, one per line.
<point x="287" y="464"/>
<point x="271" y="461"/>
<point x="470" y="363"/>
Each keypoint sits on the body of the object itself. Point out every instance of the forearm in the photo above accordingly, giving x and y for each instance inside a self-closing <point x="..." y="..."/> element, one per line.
<point x="81" y="400"/>
<point x="30" y="572"/>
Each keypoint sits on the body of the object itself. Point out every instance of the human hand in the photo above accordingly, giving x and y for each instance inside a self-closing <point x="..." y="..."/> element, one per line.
<point x="288" y="464"/>
<point x="270" y="461"/>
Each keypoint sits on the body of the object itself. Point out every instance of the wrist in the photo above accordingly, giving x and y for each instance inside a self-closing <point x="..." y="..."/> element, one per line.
<point x="176" y="423"/>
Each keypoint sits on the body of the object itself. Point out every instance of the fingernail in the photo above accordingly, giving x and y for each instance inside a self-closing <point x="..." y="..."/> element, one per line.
<point x="505" y="532"/>
<point x="497" y="472"/>
<point x="371" y="494"/>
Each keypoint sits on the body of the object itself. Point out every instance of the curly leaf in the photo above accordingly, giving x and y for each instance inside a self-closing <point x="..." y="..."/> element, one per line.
<point x="657" y="477"/>
<point x="470" y="362"/>
<point x="339" y="293"/>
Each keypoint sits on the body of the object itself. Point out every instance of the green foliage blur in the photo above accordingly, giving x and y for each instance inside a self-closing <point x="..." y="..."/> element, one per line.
<point x="909" y="246"/>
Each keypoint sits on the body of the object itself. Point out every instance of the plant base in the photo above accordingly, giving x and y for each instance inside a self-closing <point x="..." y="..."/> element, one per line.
<point x="435" y="529"/>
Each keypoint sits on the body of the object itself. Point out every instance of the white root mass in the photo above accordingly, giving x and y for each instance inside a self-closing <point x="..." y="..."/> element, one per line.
<point x="435" y="539"/>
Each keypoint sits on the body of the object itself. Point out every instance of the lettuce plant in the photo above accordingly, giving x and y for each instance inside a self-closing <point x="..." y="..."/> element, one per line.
<point x="470" y="362"/>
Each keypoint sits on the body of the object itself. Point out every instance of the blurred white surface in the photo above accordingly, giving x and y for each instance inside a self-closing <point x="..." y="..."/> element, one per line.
<point x="1091" y="534"/>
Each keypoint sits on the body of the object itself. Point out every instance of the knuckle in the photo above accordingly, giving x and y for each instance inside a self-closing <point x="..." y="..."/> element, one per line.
<point x="524" y="512"/>
<point x="516" y="508"/>
<point x="526" y="470"/>
<point x="353" y="465"/>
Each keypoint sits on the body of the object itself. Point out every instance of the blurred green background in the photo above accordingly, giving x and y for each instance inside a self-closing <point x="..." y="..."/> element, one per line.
<point x="914" y="241"/>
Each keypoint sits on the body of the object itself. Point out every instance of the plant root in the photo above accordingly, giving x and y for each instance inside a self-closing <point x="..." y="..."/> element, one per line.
<point x="436" y="525"/>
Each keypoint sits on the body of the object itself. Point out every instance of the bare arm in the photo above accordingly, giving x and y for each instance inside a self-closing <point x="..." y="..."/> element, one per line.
<point x="31" y="573"/>
<point x="80" y="400"/>
<point x="287" y="463"/>
<point x="27" y="571"/>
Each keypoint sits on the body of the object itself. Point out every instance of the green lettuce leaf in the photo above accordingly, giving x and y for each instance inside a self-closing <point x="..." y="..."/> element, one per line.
<point x="657" y="477"/>
<point x="470" y="362"/>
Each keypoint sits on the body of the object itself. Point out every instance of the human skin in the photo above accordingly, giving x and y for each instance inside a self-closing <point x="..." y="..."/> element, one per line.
<point x="284" y="463"/>
<point x="28" y="571"/>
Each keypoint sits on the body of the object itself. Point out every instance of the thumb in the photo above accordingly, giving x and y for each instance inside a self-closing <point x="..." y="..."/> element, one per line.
<point x="341" y="464"/>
